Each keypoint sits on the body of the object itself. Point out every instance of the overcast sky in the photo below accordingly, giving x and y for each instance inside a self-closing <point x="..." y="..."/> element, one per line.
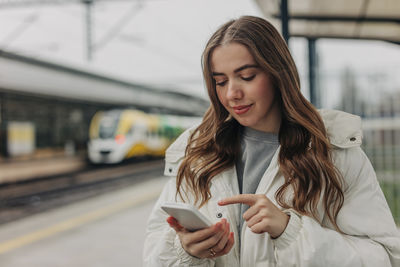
<point x="160" y="42"/>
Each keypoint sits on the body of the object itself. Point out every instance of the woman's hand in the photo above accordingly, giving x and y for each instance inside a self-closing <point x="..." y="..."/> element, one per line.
<point x="211" y="242"/>
<point x="262" y="216"/>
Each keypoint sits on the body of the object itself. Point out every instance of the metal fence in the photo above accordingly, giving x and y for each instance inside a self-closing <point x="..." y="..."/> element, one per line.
<point x="375" y="96"/>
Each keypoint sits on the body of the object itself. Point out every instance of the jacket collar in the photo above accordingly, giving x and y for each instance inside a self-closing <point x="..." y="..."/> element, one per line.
<point x="343" y="129"/>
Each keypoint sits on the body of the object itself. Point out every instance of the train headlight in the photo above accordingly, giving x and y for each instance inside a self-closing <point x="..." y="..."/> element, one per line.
<point x="120" y="139"/>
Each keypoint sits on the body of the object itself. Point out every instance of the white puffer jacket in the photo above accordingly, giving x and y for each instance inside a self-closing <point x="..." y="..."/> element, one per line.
<point x="371" y="238"/>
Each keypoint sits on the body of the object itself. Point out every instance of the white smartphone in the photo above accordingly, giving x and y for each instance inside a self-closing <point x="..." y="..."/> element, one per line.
<point x="187" y="215"/>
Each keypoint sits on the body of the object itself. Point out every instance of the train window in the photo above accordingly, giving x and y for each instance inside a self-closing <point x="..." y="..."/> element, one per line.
<point x="169" y="132"/>
<point x="108" y="125"/>
<point x="130" y="132"/>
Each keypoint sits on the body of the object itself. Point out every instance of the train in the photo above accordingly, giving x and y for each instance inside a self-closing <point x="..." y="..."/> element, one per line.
<point x="121" y="134"/>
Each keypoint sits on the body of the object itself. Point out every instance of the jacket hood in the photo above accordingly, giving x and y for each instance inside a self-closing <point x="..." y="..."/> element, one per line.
<point x="343" y="129"/>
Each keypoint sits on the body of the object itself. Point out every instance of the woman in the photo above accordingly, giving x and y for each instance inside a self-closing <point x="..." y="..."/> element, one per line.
<point x="286" y="185"/>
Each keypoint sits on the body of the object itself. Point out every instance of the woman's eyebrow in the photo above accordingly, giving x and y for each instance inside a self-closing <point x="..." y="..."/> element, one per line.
<point x="246" y="66"/>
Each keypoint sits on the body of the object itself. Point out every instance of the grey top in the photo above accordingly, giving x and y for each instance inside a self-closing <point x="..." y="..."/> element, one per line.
<point x="257" y="150"/>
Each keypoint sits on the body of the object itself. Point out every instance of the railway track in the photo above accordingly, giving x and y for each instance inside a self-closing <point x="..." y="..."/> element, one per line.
<point x="24" y="198"/>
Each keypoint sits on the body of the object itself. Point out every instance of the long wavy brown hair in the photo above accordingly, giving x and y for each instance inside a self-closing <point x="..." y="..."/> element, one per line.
<point x="305" y="152"/>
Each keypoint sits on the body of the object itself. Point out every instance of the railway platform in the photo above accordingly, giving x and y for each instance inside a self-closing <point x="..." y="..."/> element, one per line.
<point x="14" y="170"/>
<point x="112" y="225"/>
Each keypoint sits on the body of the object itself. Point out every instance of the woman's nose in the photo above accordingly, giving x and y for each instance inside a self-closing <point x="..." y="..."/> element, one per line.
<point x="234" y="91"/>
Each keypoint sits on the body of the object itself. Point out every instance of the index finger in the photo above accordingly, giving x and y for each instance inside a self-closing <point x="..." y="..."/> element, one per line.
<point x="174" y="224"/>
<point x="248" y="199"/>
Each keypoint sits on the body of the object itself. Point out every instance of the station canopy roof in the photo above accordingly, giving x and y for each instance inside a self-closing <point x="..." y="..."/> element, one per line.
<point x="349" y="19"/>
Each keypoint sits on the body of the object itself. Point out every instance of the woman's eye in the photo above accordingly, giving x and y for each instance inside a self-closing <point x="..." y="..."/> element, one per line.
<point x="220" y="83"/>
<point x="249" y="78"/>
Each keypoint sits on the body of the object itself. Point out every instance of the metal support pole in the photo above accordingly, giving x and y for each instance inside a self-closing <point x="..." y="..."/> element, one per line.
<point x="312" y="66"/>
<point x="3" y="126"/>
<point x="88" y="16"/>
<point x="285" y="20"/>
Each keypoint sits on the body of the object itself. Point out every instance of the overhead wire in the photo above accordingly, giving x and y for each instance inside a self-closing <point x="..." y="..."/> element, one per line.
<point x="114" y="31"/>
<point x="19" y="30"/>
<point x="118" y="26"/>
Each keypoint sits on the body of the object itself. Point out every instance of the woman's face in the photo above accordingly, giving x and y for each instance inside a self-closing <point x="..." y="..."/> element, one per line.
<point x="244" y="89"/>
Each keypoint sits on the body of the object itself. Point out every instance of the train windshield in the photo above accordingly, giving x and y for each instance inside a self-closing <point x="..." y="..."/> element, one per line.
<point x="108" y="125"/>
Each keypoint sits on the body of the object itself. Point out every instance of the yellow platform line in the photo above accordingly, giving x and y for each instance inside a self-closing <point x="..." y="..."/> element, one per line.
<point x="74" y="222"/>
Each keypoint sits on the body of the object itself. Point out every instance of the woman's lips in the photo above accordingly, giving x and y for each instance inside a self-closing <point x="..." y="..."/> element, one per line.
<point x="241" y="109"/>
